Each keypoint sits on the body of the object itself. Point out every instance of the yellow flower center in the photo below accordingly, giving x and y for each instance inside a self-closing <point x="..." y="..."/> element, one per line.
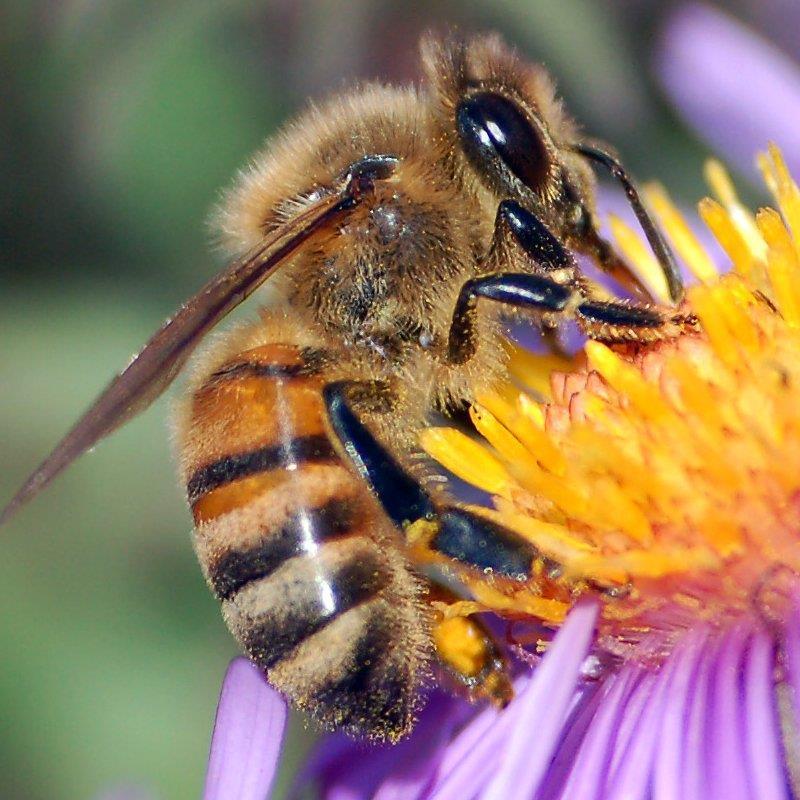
<point x="668" y="473"/>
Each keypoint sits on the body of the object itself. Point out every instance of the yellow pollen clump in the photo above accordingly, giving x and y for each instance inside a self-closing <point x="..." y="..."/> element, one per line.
<point x="665" y="477"/>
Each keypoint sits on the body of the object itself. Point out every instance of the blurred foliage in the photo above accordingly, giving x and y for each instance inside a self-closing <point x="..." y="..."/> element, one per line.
<point x="119" y="122"/>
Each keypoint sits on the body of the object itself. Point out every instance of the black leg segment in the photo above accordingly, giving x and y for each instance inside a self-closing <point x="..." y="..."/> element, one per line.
<point x="461" y="535"/>
<point x="604" y="312"/>
<point x="401" y="496"/>
<point x="481" y="544"/>
<point x="537" y="292"/>
<point x="546" y="251"/>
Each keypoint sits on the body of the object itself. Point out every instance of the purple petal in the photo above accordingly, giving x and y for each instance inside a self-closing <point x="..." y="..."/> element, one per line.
<point x="576" y="731"/>
<point x="735" y="88"/>
<point x="543" y="708"/>
<point x="695" y="764"/>
<point x="762" y="728"/>
<point x="635" y="774"/>
<point x="454" y="762"/>
<point x="413" y="770"/>
<point x="726" y="730"/>
<point x="492" y="741"/>
<point x="248" y="735"/>
<point x="588" y="775"/>
<point x="328" y="752"/>
<point x="669" y="764"/>
<point x="344" y="768"/>
<point x="473" y="755"/>
<point x="791" y="645"/>
<point x="780" y="19"/>
<point x="630" y="722"/>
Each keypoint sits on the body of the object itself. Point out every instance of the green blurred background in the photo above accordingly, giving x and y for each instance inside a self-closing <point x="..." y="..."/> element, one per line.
<point x="119" y="122"/>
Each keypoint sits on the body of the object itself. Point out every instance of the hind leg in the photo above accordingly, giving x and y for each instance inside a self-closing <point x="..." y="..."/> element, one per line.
<point x="468" y="656"/>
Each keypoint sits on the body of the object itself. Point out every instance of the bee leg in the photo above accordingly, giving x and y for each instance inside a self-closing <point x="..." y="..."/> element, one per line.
<point x="538" y="292"/>
<point x="470" y="660"/>
<point x="468" y="657"/>
<point x="458" y="533"/>
<point x="466" y="650"/>
<point x="554" y="291"/>
<point x="402" y="497"/>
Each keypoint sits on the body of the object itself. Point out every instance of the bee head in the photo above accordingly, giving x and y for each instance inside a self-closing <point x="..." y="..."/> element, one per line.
<point x="504" y="127"/>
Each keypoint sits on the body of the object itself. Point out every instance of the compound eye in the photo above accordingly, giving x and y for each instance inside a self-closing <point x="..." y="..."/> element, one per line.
<point x="492" y="127"/>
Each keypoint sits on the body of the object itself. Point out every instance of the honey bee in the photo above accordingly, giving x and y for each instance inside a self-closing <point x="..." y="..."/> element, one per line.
<point x="396" y="227"/>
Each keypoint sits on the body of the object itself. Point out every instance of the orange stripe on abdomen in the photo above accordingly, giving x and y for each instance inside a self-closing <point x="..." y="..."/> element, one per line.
<point x="251" y="403"/>
<point x="255" y="421"/>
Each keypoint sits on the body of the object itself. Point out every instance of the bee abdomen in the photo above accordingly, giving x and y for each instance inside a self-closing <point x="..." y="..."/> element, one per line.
<point x="299" y="534"/>
<point x="256" y="422"/>
<point x="315" y="448"/>
<point x="309" y="570"/>
<point x="362" y="672"/>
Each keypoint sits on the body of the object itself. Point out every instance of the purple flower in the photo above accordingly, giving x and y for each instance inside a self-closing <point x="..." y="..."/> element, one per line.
<point x="706" y="726"/>
<point x="736" y="89"/>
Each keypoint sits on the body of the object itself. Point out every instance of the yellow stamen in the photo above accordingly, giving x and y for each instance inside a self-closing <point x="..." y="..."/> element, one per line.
<point x="783" y="265"/>
<point x="534" y="370"/>
<point x="744" y="221"/>
<point x="783" y="188"/>
<point x="728" y="235"/>
<point x="466" y="459"/>
<point x="517" y="418"/>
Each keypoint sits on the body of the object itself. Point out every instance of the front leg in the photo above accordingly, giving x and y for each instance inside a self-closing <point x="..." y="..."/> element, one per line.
<point x="556" y="291"/>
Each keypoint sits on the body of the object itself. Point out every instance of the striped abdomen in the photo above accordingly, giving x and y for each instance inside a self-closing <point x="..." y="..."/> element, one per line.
<point x="309" y="571"/>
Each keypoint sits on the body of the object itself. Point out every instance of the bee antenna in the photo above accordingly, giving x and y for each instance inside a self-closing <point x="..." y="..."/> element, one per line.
<point x="658" y="243"/>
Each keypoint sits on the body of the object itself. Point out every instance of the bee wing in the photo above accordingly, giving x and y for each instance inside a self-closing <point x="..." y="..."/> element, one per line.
<point x="160" y="360"/>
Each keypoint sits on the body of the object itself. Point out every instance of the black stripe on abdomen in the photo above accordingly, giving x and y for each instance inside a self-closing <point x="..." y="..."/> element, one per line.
<point x="305" y="600"/>
<point x="302" y="449"/>
<point x="376" y="689"/>
<point x="299" y="533"/>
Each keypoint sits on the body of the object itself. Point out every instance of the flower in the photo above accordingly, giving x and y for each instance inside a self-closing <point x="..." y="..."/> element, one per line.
<point x="666" y="480"/>
<point x="671" y="473"/>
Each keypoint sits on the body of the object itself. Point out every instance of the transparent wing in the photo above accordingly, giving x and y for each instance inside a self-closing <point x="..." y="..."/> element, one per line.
<point x="160" y="360"/>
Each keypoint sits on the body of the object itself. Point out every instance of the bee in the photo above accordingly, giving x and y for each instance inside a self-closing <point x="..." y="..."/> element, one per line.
<point x="397" y="227"/>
